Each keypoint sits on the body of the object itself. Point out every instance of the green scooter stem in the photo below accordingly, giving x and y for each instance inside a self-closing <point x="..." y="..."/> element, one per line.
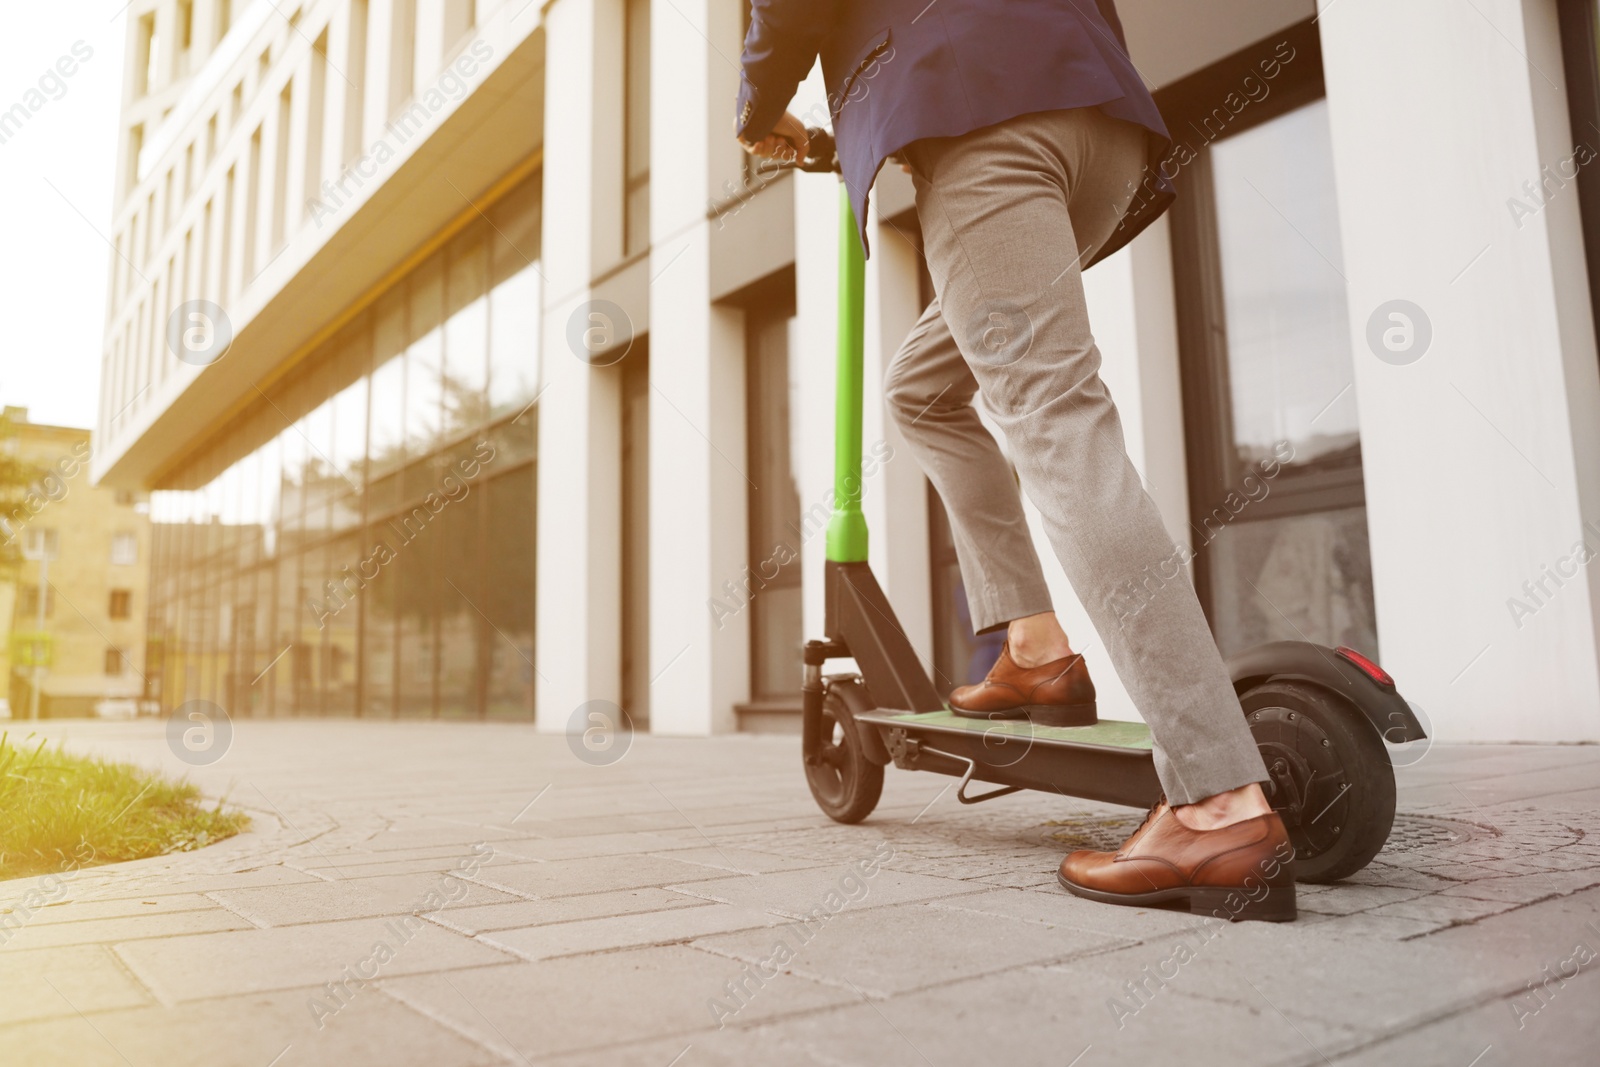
<point x="847" y="527"/>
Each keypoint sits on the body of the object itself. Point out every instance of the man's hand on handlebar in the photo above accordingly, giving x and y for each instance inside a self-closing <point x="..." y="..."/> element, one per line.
<point x="787" y="142"/>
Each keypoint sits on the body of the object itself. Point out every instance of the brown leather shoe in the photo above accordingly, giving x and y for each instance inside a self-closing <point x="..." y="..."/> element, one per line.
<point x="1242" y="871"/>
<point x="1058" y="693"/>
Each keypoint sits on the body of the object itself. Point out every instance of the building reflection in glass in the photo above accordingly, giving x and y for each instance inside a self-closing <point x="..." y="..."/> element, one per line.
<point x="360" y="541"/>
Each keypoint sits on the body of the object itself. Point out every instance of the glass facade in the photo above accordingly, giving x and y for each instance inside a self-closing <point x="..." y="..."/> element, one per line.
<point x="1289" y="552"/>
<point x="360" y="540"/>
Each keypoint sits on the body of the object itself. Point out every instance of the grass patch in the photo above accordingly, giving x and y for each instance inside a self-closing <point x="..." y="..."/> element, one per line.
<point x="60" y="812"/>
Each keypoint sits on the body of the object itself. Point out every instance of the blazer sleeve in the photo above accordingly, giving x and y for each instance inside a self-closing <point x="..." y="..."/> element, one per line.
<point x="779" y="49"/>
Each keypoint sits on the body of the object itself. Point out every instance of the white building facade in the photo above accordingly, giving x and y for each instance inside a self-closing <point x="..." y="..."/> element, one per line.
<point x="512" y="388"/>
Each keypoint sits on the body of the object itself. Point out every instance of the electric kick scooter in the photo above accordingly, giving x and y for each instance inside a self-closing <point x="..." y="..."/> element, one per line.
<point x="1320" y="715"/>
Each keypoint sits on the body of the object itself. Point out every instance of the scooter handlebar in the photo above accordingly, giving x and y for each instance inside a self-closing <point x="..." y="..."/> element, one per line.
<point x="823" y="157"/>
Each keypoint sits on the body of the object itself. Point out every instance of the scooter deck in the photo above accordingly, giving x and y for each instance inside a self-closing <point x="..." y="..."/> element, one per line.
<point x="1108" y="733"/>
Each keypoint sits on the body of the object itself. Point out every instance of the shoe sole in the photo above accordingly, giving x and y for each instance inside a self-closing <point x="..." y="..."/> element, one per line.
<point x="1039" y="714"/>
<point x="1235" y="905"/>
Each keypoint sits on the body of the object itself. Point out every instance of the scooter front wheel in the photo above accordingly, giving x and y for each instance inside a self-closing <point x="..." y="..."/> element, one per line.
<point x="845" y="783"/>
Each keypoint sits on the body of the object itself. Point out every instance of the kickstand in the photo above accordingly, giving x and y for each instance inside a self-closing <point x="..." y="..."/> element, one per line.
<point x="966" y="780"/>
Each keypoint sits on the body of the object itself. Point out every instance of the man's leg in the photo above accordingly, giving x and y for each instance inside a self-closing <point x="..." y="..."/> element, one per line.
<point x="1002" y="211"/>
<point x="929" y="391"/>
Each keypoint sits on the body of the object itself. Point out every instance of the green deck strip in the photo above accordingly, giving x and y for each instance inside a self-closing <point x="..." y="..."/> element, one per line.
<point x="1107" y="732"/>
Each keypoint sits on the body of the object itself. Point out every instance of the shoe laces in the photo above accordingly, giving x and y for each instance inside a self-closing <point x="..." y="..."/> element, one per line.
<point x="1150" y="814"/>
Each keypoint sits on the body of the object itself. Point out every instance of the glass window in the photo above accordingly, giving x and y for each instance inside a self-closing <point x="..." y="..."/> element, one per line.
<point x="1278" y="518"/>
<point x="287" y="682"/>
<point x="425" y="359"/>
<point x="270" y="510"/>
<point x="386" y="416"/>
<point x="466" y="341"/>
<point x="1283" y="294"/>
<point x="508" y="598"/>
<point x="269" y="591"/>
<point x="349" y="454"/>
<point x="514" y="302"/>
<point x="124" y="548"/>
<point x="775" y="541"/>
<point x="454" y="549"/>
<point x="340" y="604"/>
<point x="310" y="631"/>
<point x="378" y="604"/>
<point x="323" y="481"/>
<point x="417" y="650"/>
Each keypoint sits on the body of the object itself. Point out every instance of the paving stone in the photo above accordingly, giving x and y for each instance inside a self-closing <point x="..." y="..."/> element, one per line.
<point x="1057" y="907"/>
<point x="740" y="860"/>
<point x="605" y="824"/>
<point x="367" y="865"/>
<point x="1495" y="1033"/>
<point x="247" y="1031"/>
<point x="177" y="969"/>
<point x="43" y="983"/>
<point x="1518" y="890"/>
<point x="647" y="851"/>
<point x="524" y="913"/>
<point x="273" y="875"/>
<point x="1440" y="908"/>
<point x="867" y="950"/>
<point x="567" y="848"/>
<point x="1301" y="970"/>
<point x="354" y="898"/>
<point x="634" y="930"/>
<point x="73" y="908"/>
<point x="1034" y="1017"/>
<point x="123" y="928"/>
<point x="622" y="997"/>
<point x="411" y="837"/>
<point x="1348" y="899"/>
<point x="1364" y="926"/>
<point x="798" y="893"/>
<point x="595" y="874"/>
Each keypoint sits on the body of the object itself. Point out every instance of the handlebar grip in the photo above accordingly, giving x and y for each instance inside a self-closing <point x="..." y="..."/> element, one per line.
<point x="824" y="154"/>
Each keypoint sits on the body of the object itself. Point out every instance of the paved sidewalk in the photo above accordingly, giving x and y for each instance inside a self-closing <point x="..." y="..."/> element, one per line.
<point x="462" y="894"/>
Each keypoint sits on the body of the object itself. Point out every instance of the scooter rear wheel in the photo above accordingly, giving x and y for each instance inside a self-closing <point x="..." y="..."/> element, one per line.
<point x="1331" y="779"/>
<point x="845" y="783"/>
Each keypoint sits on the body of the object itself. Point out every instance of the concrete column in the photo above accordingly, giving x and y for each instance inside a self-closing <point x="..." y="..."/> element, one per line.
<point x="578" y="616"/>
<point x="1483" y="498"/>
<point x="895" y="492"/>
<point x="894" y="497"/>
<point x="699" y="659"/>
<point x="816" y="291"/>
<point x="380" y="68"/>
<point x="431" y="17"/>
<point x="298" y="184"/>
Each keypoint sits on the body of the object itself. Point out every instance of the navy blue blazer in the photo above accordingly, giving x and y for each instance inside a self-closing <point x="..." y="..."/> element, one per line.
<point x="900" y="70"/>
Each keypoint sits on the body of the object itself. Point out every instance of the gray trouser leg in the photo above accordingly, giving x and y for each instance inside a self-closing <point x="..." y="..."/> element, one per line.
<point x="1008" y="214"/>
<point x="930" y="391"/>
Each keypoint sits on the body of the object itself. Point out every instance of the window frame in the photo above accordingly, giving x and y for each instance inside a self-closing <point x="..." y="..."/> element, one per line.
<point x="1580" y="53"/>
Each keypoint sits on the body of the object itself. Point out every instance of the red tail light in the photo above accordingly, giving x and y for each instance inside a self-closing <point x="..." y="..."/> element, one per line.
<point x="1368" y="668"/>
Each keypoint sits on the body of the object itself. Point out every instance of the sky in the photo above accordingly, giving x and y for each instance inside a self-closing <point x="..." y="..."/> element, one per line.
<point x="56" y="184"/>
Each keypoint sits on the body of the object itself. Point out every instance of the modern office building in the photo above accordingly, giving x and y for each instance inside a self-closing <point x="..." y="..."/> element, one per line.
<point x="73" y="587"/>
<point x="512" y="386"/>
